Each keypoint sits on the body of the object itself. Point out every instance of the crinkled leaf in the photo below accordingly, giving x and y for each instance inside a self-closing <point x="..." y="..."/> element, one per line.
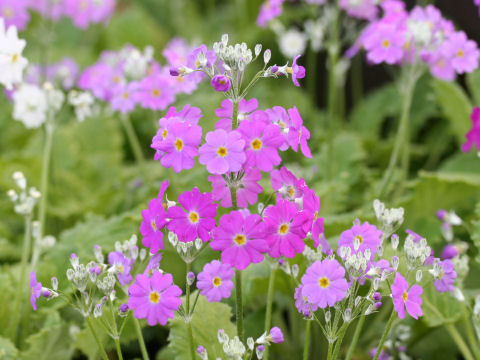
<point x="439" y="308"/>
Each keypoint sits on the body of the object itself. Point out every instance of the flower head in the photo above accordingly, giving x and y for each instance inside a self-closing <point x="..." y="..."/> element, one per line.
<point x="225" y="112"/>
<point x="298" y="71"/>
<point x="221" y="83"/>
<point x="364" y="235"/>
<point x="12" y="63"/>
<point x="384" y="43"/>
<point x="35" y="290"/>
<point x="445" y="276"/>
<point x="215" y="281"/>
<point x="123" y="266"/>
<point x="301" y="303"/>
<point x="154" y="220"/>
<point x="403" y="297"/>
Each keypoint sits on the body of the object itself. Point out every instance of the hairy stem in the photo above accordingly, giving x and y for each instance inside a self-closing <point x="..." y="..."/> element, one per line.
<point x="268" y="316"/>
<point x="188" y="315"/>
<point x="392" y="318"/>
<point x="239" y="304"/>
<point x="356" y="335"/>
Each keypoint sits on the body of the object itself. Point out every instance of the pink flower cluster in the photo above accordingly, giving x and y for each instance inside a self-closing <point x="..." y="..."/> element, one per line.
<point x="81" y="12"/>
<point x="419" y="36"/>
<point x="473" y="136"/>
<point x="63" y="74"/>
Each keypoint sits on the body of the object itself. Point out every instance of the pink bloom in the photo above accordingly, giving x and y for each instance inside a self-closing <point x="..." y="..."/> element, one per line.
<point x="215" y="281"/>
<point x="449" y="252"/>
<point x="276" y="335"/>
<point x="367" y="235"/>
<point x="464" y="52"/>
<point x="35" y="290"/>
<point x="365" y="9"/>
<point x="445" y="277"/>
<point x="221" y="83"/>
<point x="473" y="136"/>
<point x="84" y="12"/>
<point x="314" y="224"/>
<point x="225" y="112"/>
<point x="298" y="71"/>
<point x="194" y="218"/>
<point x="124" y="97"/>
<point x="298" y="134"/>
<point x="301" y="303"/>
<point x="287" y="185"/>
<point x="154" y="92"/>
<point x="155" y="299"/>
<point x="324" y="283"/>
<point x="123" y="265"/>
<point x="154" y="220"/>
<point x="99" y="79"/>
<point x="262" y="143"/>
<point x="385" y="44"/>
<point x="153" y="265"/>
<point x="269" y="11"/>
<point x="284" y="229"/>
<point x="441" y="67"/>
<point x="247" y="191"/>
<point x="240" y="239"/>
<point x="405" y="298"/>
<point x="222" y="152"/>
<point x="14" y="13"/>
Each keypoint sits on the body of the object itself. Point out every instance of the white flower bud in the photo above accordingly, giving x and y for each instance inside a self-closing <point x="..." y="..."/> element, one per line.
<point x="295" y="270"/>
<point x="258" y="49"/>
<point x="143" y="254"/>
<point x="250" y="343"/>
<point x="418" y="275"/>
<point x="328" y="316"/>
<point x="267" y="55"/>
<point x="347" y="315"/>
<point x="198" y="243"/>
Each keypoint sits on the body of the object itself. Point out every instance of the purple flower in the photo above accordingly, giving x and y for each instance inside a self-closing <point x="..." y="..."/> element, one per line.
<point x="298" y="134"/>
<point x="276" y="335"/>
<point x="324" y="283"/>
<point x="367" y="235"/>
<point x="405" y="298"/>
<point x="123" y="308"/>
<point x="450" y="251"/>
<point x="366" y="9"/>
<point x="286" y="184"/>
<point x="298" y="71"/>
<point x="153" y="265"/>
<point x="215" y="281"/>
<point x="240" y="239"/>
<point x="35" y="290"/>
<point x="124" y="97"/>
<point x="284" y="229"/>
<point x="154" y="92"/>
<point x="384" y="355"/>
<point x="222" y="152"/>
<point x="221" y="83"/>
<point x="247" y="191"/>
<point x="154" y="220"/>
<point x="445" y="277"/>
<point x="85" y="12"/>
<point x="225" y="112"/>
<point x="194" y="218"/>
<point x="473" y="136"/>
<point x="384" y="43"/>
<point x="155" y="299"/>
<point x="123" y="266"/>
<point x="14" y="13"/>
<point x="463" y="52"/>
<point x="301" y="303"/>
<point x="269" y="11"/>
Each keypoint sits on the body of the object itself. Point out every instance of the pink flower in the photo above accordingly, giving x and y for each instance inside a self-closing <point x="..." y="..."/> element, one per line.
<point x="284" y="229"/>
<point x="449" y="252"/>
<point x="269" y="11"/>
<point x="441" y="67"/>
<point x="123" y="266"/>
<point x="35" y="290"/>
<point x="368" y="236"/>
<point x="247" y="191"/>
<point x="366" y="9"/>
<point x="154" y="92"/>
<point x="324" y="283"/>
<point x="240" y="238"/>
<point x="194" y="218"/>
<point x="179" y="146"/>
<point x="276" y="335"/>
<point x="155" y="299"/>
<point x="225" y="112"/>
<point x="124" y="97"/>
<point x="221" y="83"/>
<point x="222" y="152"/>
<point x="287" y="185"/>
<point x="262" y="143"/>
<point x="446" y="276"/>
<point x="85" y="12"/>
<point x="153" y="265"/>
<point x="14" y="13"/>
<point x="298" y="134"/>
<point x="464" y="52"/>
<point x="314" y="224"/>
<point x="215" y="281"/>
<point x="298" y="71"/>
<point x="404" y="298"/>
<point x="385" y="44"/>
<point x="301" y="303"/>
<point x="473" y="136"/>
<point x="154" y="220"/>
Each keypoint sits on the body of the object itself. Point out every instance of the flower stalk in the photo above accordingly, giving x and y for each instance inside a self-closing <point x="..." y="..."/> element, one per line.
<point x="388" y="327"/>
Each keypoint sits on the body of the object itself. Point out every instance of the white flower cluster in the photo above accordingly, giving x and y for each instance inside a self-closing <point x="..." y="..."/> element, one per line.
<point x="235" y="57"/>
<point x="355" y="263"/>
<point x="187" y="250"/>
<point x="24" y="201"/>
<point x="233" y="348"/>
<point x="82" y="102"/>
<point x="391" y="219"/>
<point x="136" y="62"/>
<point x="416" y="252"/>
<point x="12" y="63"/>
<point x="128" y="248"/>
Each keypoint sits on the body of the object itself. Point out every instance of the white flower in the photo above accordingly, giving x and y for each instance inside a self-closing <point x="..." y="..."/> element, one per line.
<point x="82" y="103"/>
<point x="316" y="32"/>
<point x="54" y="97"/>
<point x="12" y="63"/>
<point x="30" y="105"/>
<point x="292" y="43"/>
<point x="136" y="63"/>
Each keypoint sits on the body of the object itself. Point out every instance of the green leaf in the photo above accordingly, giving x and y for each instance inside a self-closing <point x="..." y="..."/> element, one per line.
<point x="439" y="308"/>
<point x="8" y="351"/>
<point x="473" y="83"/>
<point x="207" y="320"/>
<point x="455" y="105"/>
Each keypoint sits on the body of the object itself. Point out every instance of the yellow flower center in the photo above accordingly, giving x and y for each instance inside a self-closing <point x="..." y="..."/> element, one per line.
<point x="283" y="229"/>
<point x="120" y="268"/>
<point x="116" y="79"/>
<point x="360" y="238"/>
<point x="289" y="70"/>
<point x="460" y="53"/>
<point x="256" y="144"/>
<point x="440" y="276"/>
<point x="180" y="79"/>
<point x="405" y="296"/>
<point x="154" y="297"/>
<point x="154" y="226"/>
<point x="126" y="95"/>
<point x="179" y="144"/>
<point x="222" y="151"/>
<point x="193" y="217"/>
<point x="14" y="58"/>
<point x="216" y="281"/>
<point x="291" y="191"/>
<point x="239" y="239"/>
<point x="8" y="12"/>
<point x="282" y="124"/>
<point x="156" y="93"/>
<point x="83" y="5"/>
<point x="386" y="43"/>
<point x="164" y="133"/>
<point x="324" y="282"/>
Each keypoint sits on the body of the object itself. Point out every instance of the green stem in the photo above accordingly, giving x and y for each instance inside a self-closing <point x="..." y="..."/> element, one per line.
<point x="119" y="349"/>
<point x="141" y="341"/>
<point x="133" y="140"/>
<point x="356" y="335"/>
<point x="22" y="281"/>
<point x="392" y="318"/>
<point x="97" y="339"/>
<point x="312" y="74"/>
<point x="239" y="304"/>
<point x="338" y="343"/>
<point x="471" y="336"/>
<point x="330" y="350"/>
<point x="188" y="315"/>
<point x="306" y="344"/>
<point x="268" y="316"/>
<point x="235" y="115"/>
<point x="459" y="341"/>
<point x="47" y="154"/>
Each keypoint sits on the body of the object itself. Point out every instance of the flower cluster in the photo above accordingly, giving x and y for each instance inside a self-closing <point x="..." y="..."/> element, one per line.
<point x="63" y="74"/>
<point x="82" y="13"/>
<point x="12" y="63"/>
<point x="473" y="136"/>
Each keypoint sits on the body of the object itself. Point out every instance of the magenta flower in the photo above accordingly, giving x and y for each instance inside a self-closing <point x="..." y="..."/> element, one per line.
<point x="287" y="185"/>
<point x="276" y="335"/>
<point x="35" y="290"/>
<point x="284" y="229"/>
<point x="154" y="220"/>
<point x="153" y="264"/>
<point x="154" y="92"/>
<point x="298" y="71"/>
<point x="179" y="146"/>
<point x="445" y="277"/>
<point x="124" y="97"/>
<point x="15" y="13"/>
<point x="367" y="235"/>
<point x="195" y="218"/>
<point x="314" y="224"/>
<point x="247" y="191"/>
<point x="464" y="52"/>
<point x="324" y="283"/>
<point x="473" y="136"/>
<point x="301" y="303"/>
<point x="221" y="83"/>
<point x="405" y="298"/>
<point x="298" y="134"/>
<point x="262" y="143"/>
<point x="384" y="43"/>
<point x="269" y="10"/>
<point x="240" y="238"/>
<point x="449" y="252"/>
<point x="225" y="112"/>
<point x="123" y="266"/>
<point x="155" y="299"/>
<point x="215" y="281"/>
<point x="366" y="9"/>
<point x="441" y="66"/>
<point x="222" y="152"/>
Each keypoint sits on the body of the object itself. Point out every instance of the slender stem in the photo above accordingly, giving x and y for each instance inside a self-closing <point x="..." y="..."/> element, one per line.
<point x="330" y="350"/>
<point x="119" y="349"/>
<point x="306" y="344"/>
<point x="141" y="341"/>
<point x="97" y="339"/>
<point x="47" y="154"/>
<point x="392" y="318"/>
<point x="239" y="304"/>
<point x="188" y="319"/>
<point x="338" y="343"/>
<point x="22" y="281"/>
<point x="312" y="74"/>
<point x="268" y="316"/>
<point x="356" y="335"/>
<point x="471" y="336"/>
<point x="459" y="341"/>
<point x="235" y="115"/>
<point x="133" y="140"/>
